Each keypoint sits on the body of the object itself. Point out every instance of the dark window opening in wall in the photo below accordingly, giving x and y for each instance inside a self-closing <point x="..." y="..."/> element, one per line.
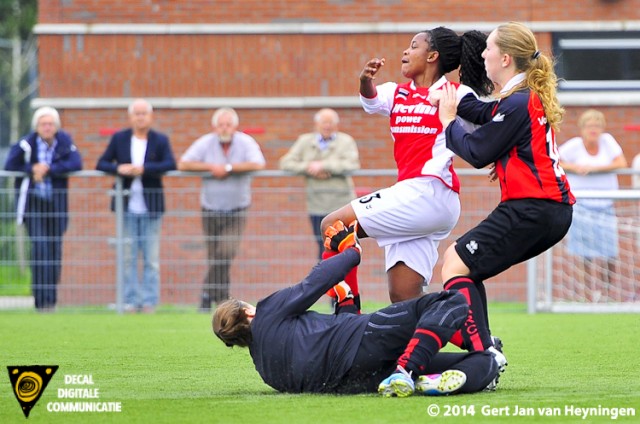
<point x="598" y="60"/>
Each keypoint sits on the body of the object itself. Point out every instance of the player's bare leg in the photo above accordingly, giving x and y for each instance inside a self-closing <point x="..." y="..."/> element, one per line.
<point x="404" y="283"/>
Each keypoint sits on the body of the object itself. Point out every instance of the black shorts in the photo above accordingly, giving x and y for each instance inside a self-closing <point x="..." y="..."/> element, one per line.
<point x="515" y="231"/>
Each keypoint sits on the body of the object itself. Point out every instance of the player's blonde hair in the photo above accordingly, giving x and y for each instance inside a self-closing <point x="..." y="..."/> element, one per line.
<point x="231" y="323"/>
<point x="518" y="41"/>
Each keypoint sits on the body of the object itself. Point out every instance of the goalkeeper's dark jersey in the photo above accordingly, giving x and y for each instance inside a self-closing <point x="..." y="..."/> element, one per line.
<point x="295" y="350"/>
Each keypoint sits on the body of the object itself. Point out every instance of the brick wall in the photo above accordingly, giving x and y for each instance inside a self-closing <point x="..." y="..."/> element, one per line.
<point x="257" y="11"/>
<point x="266" y="65"/>
<point x="275" y="130"/>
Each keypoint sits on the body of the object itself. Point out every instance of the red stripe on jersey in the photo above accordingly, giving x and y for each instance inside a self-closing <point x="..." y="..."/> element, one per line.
<point x="531" y="170"/>
<point x="432" y="334"/>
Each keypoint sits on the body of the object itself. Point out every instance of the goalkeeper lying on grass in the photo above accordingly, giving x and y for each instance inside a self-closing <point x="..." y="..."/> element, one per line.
<point x="394" y="350"/>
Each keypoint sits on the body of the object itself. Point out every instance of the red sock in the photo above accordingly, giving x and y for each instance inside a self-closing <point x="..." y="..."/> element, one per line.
<point x="457" y="340"/>
<point x="327" y="254"/>
<point x="351" y="278"/>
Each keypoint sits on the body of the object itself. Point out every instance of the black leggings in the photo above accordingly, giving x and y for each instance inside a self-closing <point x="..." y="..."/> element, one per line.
<point x="390" y="330"/>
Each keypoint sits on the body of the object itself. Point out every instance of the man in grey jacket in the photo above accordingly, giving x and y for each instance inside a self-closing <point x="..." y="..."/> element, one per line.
<point x="325" y="158"/>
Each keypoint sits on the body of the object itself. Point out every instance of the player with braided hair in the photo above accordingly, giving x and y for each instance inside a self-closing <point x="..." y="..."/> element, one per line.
<point x="472" y="64"/>
<point x="410" y="218"/>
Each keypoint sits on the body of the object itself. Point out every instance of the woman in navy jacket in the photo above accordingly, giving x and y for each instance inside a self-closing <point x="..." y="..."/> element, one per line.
<point x="47" y="155"/>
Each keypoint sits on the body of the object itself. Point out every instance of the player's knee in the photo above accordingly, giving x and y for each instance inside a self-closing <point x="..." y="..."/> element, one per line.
<point x="345" y="214"/>
<point x="328" y="220"/>
<point x="400" y="294"/>
<point x="453" y="265"/>
<point x="325" y="223"/>
<point x="457" y="305"/>
<point x="404" y="284"/>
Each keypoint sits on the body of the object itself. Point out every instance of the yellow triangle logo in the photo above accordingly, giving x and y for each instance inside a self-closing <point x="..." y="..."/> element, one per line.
<point x="29" y="382"/>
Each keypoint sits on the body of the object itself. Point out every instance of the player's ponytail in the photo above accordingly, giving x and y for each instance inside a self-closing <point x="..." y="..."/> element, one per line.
<point x="542" y="79"/>
<point x="472" y="72"/>
<point x="516" y="40"/>
<point x="231" y="324"/>
<point x="462" y="51"/>
<point x="447" y="43"/>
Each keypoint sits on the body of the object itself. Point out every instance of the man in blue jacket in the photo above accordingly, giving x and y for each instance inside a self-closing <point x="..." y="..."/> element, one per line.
<point x="46" y="155"/>
<point x="140" y="155"/>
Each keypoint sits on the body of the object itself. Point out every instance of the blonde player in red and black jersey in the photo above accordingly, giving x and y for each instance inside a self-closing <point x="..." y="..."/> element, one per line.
<point x="410" y="218"/>
<point x="517" y="136"/>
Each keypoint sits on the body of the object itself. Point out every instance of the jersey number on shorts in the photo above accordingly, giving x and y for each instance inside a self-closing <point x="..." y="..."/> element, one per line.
<point x="367" y="199"/>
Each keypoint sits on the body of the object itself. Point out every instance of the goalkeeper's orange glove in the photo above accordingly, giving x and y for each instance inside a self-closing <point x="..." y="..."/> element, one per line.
<point x="339" y="237"/>
<point x="340" y="292"/>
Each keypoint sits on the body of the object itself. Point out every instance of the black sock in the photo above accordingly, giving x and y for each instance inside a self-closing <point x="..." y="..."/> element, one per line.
<point x="475" y="331"/>
<point x="483" y="295"/>
<point x="419" y="351"/>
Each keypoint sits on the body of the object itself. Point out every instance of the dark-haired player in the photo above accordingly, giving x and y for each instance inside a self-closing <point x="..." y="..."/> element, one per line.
<point x="410" y="218"/>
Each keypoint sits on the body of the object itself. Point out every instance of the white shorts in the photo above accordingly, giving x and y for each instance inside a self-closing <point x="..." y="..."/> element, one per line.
<point x="409" y="219"/>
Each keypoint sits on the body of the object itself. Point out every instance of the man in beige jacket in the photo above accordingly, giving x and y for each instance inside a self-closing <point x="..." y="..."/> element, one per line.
<point x="325" y="158"/>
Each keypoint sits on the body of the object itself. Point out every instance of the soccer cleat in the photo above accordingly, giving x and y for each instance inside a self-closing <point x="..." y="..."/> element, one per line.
<point x="497" y="342"/>
<point x="446" y="383"/>
<point x="501" y="360"/>
<point x="398" y="384"/>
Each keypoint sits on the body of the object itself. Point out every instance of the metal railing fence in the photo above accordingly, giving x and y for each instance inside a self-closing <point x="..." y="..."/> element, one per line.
<point x="277" y="247"/>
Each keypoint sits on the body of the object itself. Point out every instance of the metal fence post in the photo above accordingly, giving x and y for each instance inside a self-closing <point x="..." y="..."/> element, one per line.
<point x="532" y="276"/>
<point x="120" y="241"/>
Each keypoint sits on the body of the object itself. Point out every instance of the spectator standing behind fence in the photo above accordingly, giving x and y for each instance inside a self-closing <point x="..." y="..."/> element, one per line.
<point x="324" y="157"/>
<point x="229" y="156"/>
<point x="635" y="179"/>
<point x="140" y="155"/>
<point x="47" y="155"/>
<point x="593" y="236"/>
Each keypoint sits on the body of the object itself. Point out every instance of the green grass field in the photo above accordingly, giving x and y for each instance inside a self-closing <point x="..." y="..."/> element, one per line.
<point x="169" y="368"/>
<point x="14" y="281"/>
